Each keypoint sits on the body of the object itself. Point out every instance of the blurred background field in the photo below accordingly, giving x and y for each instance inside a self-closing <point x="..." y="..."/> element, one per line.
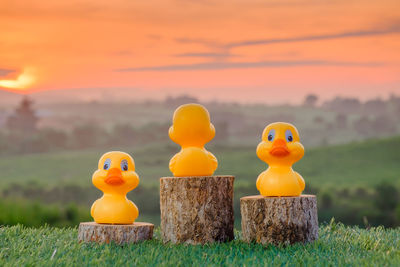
<point x="49" y="150"/>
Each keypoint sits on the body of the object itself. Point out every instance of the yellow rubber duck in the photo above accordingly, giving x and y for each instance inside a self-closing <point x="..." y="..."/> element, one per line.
<point x="191" y="128"/>
<point x="280" y="148"/>
<point x="115" y="176"/>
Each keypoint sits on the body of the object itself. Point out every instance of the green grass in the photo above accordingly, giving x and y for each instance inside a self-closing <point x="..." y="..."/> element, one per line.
<point x="338" y="245"/>
<point x="77" y="167"/>
<point x="344" y="166"/>
<point x="34" y="213"/>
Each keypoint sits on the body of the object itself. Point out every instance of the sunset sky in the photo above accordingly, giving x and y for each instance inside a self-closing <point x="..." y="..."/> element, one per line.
<point x="242" y="50"/>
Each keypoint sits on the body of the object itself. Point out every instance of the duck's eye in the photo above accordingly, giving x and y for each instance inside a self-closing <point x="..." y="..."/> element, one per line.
<point x="289" y="136"/>
<point x="124" y="165"/>
<point x="107" y="164"/>
<point x="271" y="135"/>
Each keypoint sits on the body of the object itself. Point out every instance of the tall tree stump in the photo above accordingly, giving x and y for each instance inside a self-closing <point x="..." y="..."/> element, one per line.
<point x="279" y="220"/>
<point x="117" y="233"/>
<point x="196" y="210"/>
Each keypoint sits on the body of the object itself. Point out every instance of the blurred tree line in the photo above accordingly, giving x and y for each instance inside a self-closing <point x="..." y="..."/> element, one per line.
<point x="81" y="137"/>
<point x="346" y="120"/>
<point x="372" y="118"/>
<point x="22" y="135"/>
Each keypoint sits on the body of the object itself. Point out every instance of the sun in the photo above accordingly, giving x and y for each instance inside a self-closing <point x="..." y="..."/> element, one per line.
<point x="25" y="80"/>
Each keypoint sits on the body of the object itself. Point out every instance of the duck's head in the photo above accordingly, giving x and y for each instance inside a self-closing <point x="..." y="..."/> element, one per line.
<point x="280" y="144"/>
<point x="116" y="173"/>
<point x="191" y="126"/>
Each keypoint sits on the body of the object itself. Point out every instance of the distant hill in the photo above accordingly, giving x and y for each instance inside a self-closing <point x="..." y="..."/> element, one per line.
<point x="352" y="165"/>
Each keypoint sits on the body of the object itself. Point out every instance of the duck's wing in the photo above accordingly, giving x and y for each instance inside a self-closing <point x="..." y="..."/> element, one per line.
<point x="258" y="183"/>
<point x="172" y="163"/>
<point x="300" y="180"/>
<point x="92" y="208"/>
<point x="135" y="209"/>
<point x="214" y="161"/>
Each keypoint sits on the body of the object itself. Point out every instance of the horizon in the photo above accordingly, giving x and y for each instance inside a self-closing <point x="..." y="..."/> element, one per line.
<point x="237" y="51"/>
<point x="66" y="96"/>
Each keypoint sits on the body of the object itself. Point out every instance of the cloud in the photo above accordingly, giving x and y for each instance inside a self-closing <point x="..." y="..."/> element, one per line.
<point x="5" y="72"/>
<point x="395" y="28"/>
<point x="205" y="55"/>
<point x="248" y="65"/>
<point x="200" y="41"/>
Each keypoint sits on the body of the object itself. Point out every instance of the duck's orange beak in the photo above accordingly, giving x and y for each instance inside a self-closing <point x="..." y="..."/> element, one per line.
<point x="114" y="177"/>
<point x="279" y="148"/>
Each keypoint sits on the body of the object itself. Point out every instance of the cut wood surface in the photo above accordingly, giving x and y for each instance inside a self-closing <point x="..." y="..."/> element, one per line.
<point x="117" y="233"/>
<point x="279" y="220"/>
<point x="196" y="210"/>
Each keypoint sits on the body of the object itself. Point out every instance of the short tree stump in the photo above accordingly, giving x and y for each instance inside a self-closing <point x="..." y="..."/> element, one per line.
<point x="117" y="233"/>
<point x="196" y="210"/>
<point x="279" y="220"/>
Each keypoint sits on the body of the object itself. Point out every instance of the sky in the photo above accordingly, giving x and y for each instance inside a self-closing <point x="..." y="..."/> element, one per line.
<point x="229" y="50"/>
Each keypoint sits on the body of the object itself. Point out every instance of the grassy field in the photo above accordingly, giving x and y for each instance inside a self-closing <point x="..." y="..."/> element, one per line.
<point x="344" y="166"/>
<point x="337" y="246"/>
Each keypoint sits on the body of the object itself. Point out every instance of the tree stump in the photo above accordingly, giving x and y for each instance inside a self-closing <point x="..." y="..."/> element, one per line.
<point x="196" y="210"/>
<point x="117" y="233"/>
<point x="279" y="220"/>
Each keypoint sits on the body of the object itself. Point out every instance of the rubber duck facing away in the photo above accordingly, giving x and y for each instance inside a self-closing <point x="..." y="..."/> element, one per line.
<point x="115" y="177"/>
<point x="191" y="129"/>
<point x="280" y="148"/>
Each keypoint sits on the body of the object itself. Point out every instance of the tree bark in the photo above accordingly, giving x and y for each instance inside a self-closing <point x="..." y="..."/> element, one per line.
<point x="117" y="233"/>
<point x="279" y="220"/>
<point x="196" y="210"/>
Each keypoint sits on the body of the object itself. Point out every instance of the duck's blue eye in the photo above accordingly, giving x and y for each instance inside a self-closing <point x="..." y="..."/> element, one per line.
<point x="107" y="164"/>
<point x="271" y="135"/>
<point x="289" y="136"/>
<point x="124" y="165"/>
